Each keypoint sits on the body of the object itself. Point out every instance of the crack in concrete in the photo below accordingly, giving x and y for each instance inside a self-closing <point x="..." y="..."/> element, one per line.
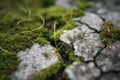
<point x="102" y="73"/>
<point x="96" y="31"/>
<point x="98" y="53"/>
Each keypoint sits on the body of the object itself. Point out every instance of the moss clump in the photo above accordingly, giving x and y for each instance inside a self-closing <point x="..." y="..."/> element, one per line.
<point x="8" y="63"/>
<point x="46" y="74"/>
<point x="59" y="13"/>
<point x="109" y="33"/>
<point x="71" y="57"/>
<point x="82" y="4"/>
<point x="67" y="53"/>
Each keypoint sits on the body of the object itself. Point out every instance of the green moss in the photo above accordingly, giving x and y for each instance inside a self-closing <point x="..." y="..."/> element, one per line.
<point x="41" y="41"/>
<point x="59" y="13"/>
<point x="16" y="42"/>
<point x="12" y="39"/>
<point x="46" y="74"/>
<point x="109" y="33"/>
<point x="67" y="54"/>
<point x="8" y="63"/>
<point x="4" y="77"/>
<point x="71" y="57"/>
<point x="82" y="4"/>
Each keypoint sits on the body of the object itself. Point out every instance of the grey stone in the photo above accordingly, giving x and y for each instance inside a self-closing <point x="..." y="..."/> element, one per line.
<point x="111" y="76"/>
<point x="113" y="16"/>
<point x="66" y="3"/>
<point x="109" y="59"/>
<point x="82" y="71"/>
<point x="93" y="20"/>
<point x="85" y="41"/>
<point x="33" y="60"/>
<point x="112" y="13"/>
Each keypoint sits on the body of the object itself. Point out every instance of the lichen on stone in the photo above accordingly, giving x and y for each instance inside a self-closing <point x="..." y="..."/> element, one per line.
<point x="85" y="40"/>
<point x="33" y="60"/>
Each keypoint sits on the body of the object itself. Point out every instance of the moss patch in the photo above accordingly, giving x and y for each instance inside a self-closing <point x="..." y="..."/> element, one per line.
<point x="8" y="63"/>
<point x="46" y="74"/>
<point x="109" y="33"/>
<point x="82" y="4"/>
<point x="67" y="54"/>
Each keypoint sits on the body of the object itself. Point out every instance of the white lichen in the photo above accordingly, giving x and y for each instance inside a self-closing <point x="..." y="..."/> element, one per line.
<point x="33" y="60"/>
<point x="86" y="43"/>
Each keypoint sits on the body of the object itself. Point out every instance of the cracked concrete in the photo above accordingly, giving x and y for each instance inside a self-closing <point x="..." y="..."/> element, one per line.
<point x="87" y="44"/>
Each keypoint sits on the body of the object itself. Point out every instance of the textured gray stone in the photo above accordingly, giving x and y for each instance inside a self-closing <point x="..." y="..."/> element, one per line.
<point x="33" y="60"/>
<point x="82" y="71"/>
<point x="93" y="20"/>
<point x="113" y="16"/>
<point x="66" y="3"/>
<point x="109" y="59"/>
<point x="108" y="12"/>
<point x="85" y="41"/>
<point x="111" y="76"/>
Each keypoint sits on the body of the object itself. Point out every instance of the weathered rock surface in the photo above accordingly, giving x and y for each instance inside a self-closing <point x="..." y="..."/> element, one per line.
<point x="66" y="3"/>
<point x="111" y="76"/>
<point x="113" y="16"/>
<point x="82" y="71"/>
<point x="109" y="59"/>
<point x="33" y="60"/>
<point x="85" y="41"/>
<point x="93" y="20"/>
<point x="109" y="11"/>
